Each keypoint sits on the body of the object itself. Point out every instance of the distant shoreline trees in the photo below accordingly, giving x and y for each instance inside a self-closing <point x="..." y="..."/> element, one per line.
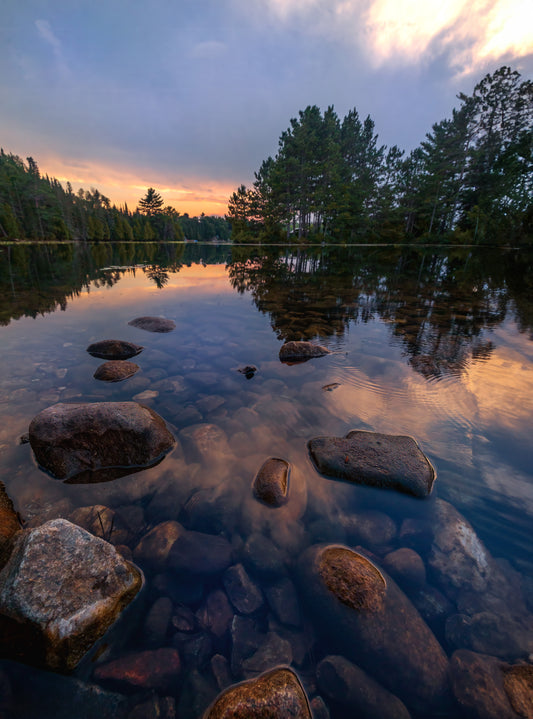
<point x="470" y="180"/>
<point x="36" y="207"/>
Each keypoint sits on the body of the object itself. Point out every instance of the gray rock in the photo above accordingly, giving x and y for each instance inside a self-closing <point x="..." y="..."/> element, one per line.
<point x="372" y="529"/>
<point x="244" y="593"/>
<point x="271" y="483"/>
<point x="61" y="589"/>
<point x="374" y="459"/>
<point x="278" y="693"/>
<point x="347" y="684"/>
<point x="153" y="324"/>
<point x="274" y="651"/>
<point x="200" y="553"/>
<point x="364" y="615"/>
<point x="301" y="351"/>
<point x="114" y="349"/>
<point x="262" y="557"/>
<point x="74" y="440"/>
<point x="116" y="370"/>
<point x="246" y="638"/>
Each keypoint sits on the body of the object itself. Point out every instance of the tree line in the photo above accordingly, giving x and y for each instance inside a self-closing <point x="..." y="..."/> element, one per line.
<point x="470" y="180"/>
<point x="36" y="207"/>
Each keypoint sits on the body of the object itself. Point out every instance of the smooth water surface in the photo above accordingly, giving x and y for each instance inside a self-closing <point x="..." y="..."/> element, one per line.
<point x="432" y="343"/>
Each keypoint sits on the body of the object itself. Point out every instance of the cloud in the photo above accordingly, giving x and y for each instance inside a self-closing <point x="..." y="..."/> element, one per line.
<point x="208" y="50"/>
<point x="47" y="34"/>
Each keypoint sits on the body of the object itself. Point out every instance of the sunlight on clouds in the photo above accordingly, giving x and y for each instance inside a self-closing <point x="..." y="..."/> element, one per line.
<point x="479" y="30"/>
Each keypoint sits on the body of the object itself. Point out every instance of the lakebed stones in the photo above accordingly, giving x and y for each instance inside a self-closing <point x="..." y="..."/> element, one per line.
<point x="367" y="617"/>
<point x="156" y="669"/>
<point x="153" y="324"/>
<point x="374" y="459"/>
<point x="277" y="693"/>
<point x="271" y="483"/>
<point x="70" y="440"/>
<point x="301" y="351"/>
<point x="114" y="349"/>
<point x="61" y="589"/>
<point x="116" y="370"/>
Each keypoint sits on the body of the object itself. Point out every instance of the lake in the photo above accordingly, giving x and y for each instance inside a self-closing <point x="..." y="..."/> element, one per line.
<point x="427" y="342"/>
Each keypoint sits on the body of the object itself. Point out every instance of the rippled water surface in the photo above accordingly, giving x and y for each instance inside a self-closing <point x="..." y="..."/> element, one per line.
<point x="435" y="344"/>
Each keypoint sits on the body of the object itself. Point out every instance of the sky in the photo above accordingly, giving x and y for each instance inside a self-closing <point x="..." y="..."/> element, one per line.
<point x="190" y="96"/>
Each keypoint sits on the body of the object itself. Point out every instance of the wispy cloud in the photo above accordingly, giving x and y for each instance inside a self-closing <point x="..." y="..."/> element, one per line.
<point x="47" y="34"/>
<point x="208" y="50"/>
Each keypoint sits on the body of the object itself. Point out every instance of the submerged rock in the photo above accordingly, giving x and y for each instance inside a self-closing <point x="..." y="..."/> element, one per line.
<point x="153" y="324"/>
<point x="277" y="693"/>
<point x="364" y="615"/>
<point x="478" y="685"/>
<point x="374" y="459"/>
<point x="60" y="591"/>
<point x="271" y="483"/>
<point x="71" y="439"/>
<point x="518" y="683"/>
<point x="248" y="371"/>
<point x="116" y="370"/>
<point x="347" y="684"/>
<point x="114" y="349"/>
<point x="156" y="669"/>
<point x="301" y="351"/>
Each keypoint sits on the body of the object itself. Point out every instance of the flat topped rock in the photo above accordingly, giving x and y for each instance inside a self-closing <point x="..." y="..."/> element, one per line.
<point x="153" y="324"/>
<point x="277" y="693"/>
<point x="116" y="370"/>
<point x="271" y="483"/>
<point x="61" y="589"/>
<point x="301" y="351"/>
<point x="71" y="439"/>
<point x="114" y="349"/>
<point x="374" y="459"/>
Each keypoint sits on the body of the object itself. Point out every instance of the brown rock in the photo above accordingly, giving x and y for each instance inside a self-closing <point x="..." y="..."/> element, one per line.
<point x="243" y="592"/>
<point x="153" y="324"/>
<point x="478" y="685"/>
<point x="156" y="669"/>
<point x="114" y="349"/>
<point x="377" y="460"/>
<point x="301" y="351"/>
<point x="9" y="525"/>
<point x="277" y="693"/>
<point x="153" y="549"/>
<point x="366" y="617"/>
<point x="74" y="440"/>
<point x="116" y="370"/>
<point x="216" y="614"/>
<point x="518" y="683"/>
<point x="271" y="484"/>
<point x="61" y="589"/>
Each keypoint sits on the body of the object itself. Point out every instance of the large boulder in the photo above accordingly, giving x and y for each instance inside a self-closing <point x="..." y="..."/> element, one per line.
<point x="277" y="693"/>
<point x="70" y="440"/>
<point x="374" y="459"/>
<point x="301" y="351"/>
<point x="153" y="324"/>
<point x="60" y="591"/>
<point x="114" y="349"/>
<point x="366" y="617"/>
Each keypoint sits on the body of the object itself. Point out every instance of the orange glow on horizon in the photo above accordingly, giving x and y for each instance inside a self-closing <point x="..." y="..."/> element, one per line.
<point x="124" y="186"/>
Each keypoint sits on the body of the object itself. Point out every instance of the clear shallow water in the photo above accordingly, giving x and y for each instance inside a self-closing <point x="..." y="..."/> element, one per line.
<point x="433" y="344"/>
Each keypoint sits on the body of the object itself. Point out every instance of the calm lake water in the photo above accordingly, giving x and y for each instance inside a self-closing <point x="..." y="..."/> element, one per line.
<point x="431" y="343"/>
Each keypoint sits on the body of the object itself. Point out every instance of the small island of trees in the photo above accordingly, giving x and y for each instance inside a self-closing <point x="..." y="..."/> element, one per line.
<point x="469" y="181"/>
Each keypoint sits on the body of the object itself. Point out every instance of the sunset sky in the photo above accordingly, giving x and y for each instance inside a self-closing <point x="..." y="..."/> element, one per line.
<point x="189" y="96"/>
